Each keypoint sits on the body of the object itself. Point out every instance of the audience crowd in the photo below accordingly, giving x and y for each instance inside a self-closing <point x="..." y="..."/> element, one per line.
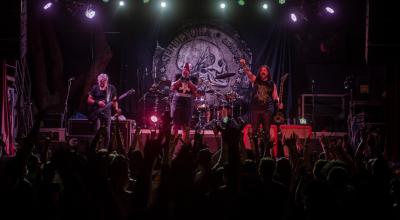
<point x="165" y="177"/>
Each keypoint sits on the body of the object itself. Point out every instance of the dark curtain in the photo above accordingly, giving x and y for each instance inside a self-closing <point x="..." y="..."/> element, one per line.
<point x="392" y="116"/>
<point x="277" y="51"/>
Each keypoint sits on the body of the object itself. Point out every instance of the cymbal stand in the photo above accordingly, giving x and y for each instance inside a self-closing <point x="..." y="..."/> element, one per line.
<point x="144" y="97"/>
<point x="200" y="125"/>
<point x="232" y="112"/>
<point x="64" y="115"/>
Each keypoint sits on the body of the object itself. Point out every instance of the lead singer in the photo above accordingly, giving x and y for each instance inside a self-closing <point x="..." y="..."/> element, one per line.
<point x="185" y="90"/>
<point x="263" y="101"/>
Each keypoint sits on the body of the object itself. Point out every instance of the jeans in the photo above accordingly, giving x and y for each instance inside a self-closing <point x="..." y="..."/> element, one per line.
<point x="264" y="118"/>
<point x="105" y="122"/>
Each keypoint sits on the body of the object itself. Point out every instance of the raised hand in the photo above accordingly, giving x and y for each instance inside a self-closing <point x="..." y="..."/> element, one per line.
<point x="242" y="62"/>
<point x="118" y="111"/>
<point x="280" y="105"/>
<point x="247" y="70"/>
<point x="322" y="142"/>
<point x="291" y="142"/>
<point x="101" y="104"/>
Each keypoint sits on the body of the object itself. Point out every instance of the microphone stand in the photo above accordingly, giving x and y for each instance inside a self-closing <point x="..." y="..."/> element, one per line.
<point x="144" y="108"/>
<point x="313" y="109"/>
<point x="64" y="115"/>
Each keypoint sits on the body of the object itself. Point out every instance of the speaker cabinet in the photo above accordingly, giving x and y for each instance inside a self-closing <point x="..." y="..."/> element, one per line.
<point x="84" y="130"/>
<point x="55" y="134"/>
<point x="81" y="127"/>
<point x="126" y="129"/>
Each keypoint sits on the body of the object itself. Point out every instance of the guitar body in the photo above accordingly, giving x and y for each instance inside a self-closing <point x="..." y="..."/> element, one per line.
<point x="97" y="112"/>
<point x="279" y="117"/>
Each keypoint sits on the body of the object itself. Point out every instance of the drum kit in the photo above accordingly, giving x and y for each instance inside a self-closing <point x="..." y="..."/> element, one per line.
<point x="211" y="106"/>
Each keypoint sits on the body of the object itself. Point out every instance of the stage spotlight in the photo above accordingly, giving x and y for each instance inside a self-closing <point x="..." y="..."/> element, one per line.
<point x="106" y="1"/>
<point x="303" y="121"/>
<point x="329" y="10"/>
<point x="146" y="1"/>
<point x="47" y="5"/>
<point x="163" y="4"/>
<point x="154" y="119"/>
<point x="265" y="6"/>
<point x="222" y="5"/>
<point x="282" y="2"/>
<point x="90" y="12"/>
<point x="121" y="3"/>
<point x="241" y="2"/>
<point x="293" y="17"/>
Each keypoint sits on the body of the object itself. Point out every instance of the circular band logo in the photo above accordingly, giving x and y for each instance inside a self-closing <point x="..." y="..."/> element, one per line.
<point x="213" y="53"/>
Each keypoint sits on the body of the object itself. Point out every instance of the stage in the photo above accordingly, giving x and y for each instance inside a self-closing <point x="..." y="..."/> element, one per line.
<point x="79" y="132"/>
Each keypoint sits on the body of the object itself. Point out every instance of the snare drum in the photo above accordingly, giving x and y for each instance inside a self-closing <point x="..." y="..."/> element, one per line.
<point x="200" y="104"/>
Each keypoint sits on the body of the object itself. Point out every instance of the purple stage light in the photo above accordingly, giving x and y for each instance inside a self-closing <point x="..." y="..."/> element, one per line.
<point x="47" y="5"/>
<point x="293" y="17"/>
<point x="329" y="10"/>
<point x="90" y="12"/>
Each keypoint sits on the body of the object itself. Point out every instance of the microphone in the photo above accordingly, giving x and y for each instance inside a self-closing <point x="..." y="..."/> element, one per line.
<point x="185" y="79"/>
<point x="72" y="78"/>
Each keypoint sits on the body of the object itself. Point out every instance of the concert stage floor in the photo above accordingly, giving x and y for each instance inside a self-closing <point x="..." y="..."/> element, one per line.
<point x="212" y="140"/>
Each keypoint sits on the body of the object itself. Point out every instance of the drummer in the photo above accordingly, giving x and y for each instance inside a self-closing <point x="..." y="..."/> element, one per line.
<point x="184" y="89"/>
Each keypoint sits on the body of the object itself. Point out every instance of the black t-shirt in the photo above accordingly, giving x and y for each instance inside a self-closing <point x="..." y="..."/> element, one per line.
<point x="262" y="95"/>
<point x="103" y="95"/>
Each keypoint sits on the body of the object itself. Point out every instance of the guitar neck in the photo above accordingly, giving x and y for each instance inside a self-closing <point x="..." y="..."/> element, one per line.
<point x="121" y="97"/>
<point x="283" y="79"/>
<point x="280" y="91"/>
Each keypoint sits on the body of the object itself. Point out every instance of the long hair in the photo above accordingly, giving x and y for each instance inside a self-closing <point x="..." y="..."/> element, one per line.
<point x="268" y="70"/>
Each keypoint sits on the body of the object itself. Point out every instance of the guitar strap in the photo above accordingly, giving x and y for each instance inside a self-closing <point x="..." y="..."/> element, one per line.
<point x="108" y="94"/>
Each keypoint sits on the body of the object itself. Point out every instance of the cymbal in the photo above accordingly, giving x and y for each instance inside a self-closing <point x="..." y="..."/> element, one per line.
<point x="157" y="92"/>
<point x="164" y="83"/>
<point x="225" y="75"/>
<point x="201" y="92"/>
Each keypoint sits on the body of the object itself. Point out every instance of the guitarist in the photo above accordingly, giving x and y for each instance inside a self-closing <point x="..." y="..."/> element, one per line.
<point x="263" y="99"/>
<point x="101" y="94"/>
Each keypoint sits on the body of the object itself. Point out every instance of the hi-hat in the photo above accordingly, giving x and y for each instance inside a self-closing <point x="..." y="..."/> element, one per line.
<point x="165" y="82"/>
<point x="225" y="75"/>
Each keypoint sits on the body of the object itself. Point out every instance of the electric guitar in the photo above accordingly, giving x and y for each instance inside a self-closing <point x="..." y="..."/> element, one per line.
<point x="93" y="115"/>
<point x="279" y="117"/>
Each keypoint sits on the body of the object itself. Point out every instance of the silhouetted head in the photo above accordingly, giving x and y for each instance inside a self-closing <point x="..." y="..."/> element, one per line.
<point x="266" y="168"/>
